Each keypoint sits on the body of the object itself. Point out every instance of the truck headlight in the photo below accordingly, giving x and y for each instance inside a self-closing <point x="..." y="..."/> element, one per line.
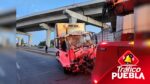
<point x="147" y="43"/>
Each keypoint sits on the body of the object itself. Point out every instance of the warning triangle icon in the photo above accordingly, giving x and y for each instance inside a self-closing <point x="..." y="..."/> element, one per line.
<point x="128" y="58"/>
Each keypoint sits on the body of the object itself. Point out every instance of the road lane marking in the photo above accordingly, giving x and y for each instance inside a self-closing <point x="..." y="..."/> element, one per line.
<point x="17" y="65"/>
<point x="2" y="72"/>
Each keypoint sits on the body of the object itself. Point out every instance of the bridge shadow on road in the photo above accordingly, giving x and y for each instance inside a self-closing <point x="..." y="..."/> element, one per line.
<point x="38" y="69"/>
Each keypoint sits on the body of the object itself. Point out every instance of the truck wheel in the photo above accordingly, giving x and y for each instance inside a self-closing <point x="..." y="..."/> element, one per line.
<point x="66" y="71"/>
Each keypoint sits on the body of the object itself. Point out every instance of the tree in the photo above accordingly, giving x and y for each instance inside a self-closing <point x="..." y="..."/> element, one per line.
<point x="42" y="43"/>
<point x="22" y="42"/>
<point x="52" y="43"/>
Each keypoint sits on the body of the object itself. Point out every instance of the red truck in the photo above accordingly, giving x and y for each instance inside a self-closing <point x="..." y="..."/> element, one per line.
<point x="126" y="61"/>
<point x="76" y="47"/>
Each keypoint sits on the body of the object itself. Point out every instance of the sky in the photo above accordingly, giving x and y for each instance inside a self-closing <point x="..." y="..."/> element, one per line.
<point x="27" y="7"/>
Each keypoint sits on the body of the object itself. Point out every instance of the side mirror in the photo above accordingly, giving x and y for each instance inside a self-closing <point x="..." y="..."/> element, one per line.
<point x="56" y="43"/>
<point x="94" y="37"/>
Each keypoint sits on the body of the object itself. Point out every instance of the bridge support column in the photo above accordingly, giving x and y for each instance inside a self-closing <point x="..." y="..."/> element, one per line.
<point x="29" y="40"/>
<point x="74" y="16"/>
<point x="72" y="20"/>
<point x="19" y="41"/>
<point x="48" y="32"/>
<point x="27" y="34"/>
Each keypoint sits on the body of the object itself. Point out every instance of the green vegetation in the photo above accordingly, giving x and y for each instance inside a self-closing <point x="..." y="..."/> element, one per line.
<point x="43" y="43"/>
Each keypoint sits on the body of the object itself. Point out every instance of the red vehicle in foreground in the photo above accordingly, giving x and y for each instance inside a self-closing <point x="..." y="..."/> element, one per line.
<point x="126" y="61"/>
<point x="76" y="48"/>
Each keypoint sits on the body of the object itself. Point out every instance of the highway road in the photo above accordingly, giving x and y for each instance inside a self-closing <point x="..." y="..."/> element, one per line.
<point x="7" y="67"/>
<point x="33" y="68"/>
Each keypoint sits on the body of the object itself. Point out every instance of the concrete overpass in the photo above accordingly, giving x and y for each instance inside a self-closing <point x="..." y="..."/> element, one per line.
<point x="88" y="12"/>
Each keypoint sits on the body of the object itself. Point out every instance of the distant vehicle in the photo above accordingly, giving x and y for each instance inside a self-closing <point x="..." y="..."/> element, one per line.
<point x="76" y="48"/>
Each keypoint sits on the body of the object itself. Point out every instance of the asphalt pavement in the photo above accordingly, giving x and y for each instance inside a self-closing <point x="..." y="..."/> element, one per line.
<point x="34" y="68"/>
<point x="7" y="66"/>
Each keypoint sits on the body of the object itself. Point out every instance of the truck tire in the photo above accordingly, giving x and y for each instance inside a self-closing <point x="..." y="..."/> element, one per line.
<point x="66" y="71"/>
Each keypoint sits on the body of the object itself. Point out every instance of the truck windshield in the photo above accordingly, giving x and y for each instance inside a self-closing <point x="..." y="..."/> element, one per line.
<point x="77" y="41"/>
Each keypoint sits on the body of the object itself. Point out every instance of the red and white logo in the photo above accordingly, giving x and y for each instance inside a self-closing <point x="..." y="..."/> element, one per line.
<point x="128" y="58"/>
<point x="128" y="68"/>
